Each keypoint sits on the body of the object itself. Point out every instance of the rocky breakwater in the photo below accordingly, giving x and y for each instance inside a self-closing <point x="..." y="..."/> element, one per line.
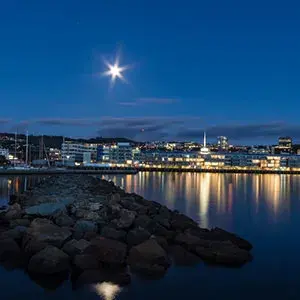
<point x="97" y="231"/>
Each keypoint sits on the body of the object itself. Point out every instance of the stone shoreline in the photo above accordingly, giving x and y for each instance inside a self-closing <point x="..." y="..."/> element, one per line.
<point x="96" y="231"/>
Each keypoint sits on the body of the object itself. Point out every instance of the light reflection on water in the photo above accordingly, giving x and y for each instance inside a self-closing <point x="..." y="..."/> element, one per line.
<point x="107" y="290"/>
<point x="202" y="195"/>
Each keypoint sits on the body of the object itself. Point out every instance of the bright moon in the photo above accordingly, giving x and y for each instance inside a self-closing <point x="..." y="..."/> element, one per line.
<point x="115" y="71"/>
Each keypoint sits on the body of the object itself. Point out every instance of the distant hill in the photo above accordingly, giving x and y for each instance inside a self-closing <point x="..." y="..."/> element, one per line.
<point x="55" y="141"/>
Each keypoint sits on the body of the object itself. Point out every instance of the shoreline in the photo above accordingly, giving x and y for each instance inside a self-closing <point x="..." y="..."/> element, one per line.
<point x="92" y="170"/>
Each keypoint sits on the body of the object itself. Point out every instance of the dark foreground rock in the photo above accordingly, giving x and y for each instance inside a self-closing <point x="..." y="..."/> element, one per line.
<point x="50" y="260"/>
<point x="148" y="258"/>
<point x="97" y="230"/>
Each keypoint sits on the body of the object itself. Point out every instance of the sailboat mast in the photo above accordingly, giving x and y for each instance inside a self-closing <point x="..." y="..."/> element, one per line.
<point x="15" y="156"/>
<point x="26" y="159"/>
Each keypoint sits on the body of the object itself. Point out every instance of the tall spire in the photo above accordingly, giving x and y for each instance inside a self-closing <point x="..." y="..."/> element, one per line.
<point x="204" y="139"/>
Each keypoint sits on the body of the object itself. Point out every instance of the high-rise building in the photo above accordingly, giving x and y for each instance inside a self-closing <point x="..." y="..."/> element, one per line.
<point x="223" y="143"/>
<point x="284" y="145"/>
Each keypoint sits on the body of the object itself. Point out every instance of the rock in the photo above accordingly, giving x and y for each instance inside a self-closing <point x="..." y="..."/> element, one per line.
<point x="50" y="260"/>
<point x="148" y="258"/>
<point x="90" y="235"/>
<point x="64" y="220"/>
<point x="107" y="251"/>
<point x="137" y="236"/>
<point x="126" y="219"/>
<point x="162" y="231"/>
<point x="224" y="253"/>
<point x="114" y="199"/>
<point x="14" y="212"/>
<point x="165" y="212"/>
<point x="45" y="209"/>
<point x="19" y="222"/>
<point x="189" y="241"/>
<point x="36" y="223"/>
<point x="161" y="241"/>
<point x="114" y="234"/>
<point x="75" y="247"/>
<point x="9" y="250"/>
<point x="40" y="231"/>
<point x="95" y="206"/>
<point x="225" y="235"/>
<point x="104" y="277"/>
<point x="162" y="221"/>
<point x="182" y="257"/>
<point x="181" y="222"/>
<point x="85" y="226"/>
<point x="86" y="262"/>
<point x="16" y="233"/>
<point x="144" y="221"/>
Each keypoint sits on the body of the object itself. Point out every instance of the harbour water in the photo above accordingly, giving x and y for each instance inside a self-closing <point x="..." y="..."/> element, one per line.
<point x="264" y="209"/>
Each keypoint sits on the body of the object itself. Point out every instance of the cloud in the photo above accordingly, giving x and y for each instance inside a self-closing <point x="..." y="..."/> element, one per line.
<point x="150" y="100"/>
<point x="5" y="121"/>
<point x="66" y="122"/>
<point x="239" y="132"/>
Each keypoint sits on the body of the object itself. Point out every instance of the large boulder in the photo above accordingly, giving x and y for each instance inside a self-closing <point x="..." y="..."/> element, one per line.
<point x="45" y="209"/>
<point x="19" y="222"/>
<point x="146" y="222"/>
<point x="14" y="212"/>
<point x="114" y="234"/>
<point x="225" y="253"/>
<point x="9" y="250"/>
<point x="85" y="226"/>
<point x="107" y="251"/>
<point x="148" y="258"/>
<point x="63" y="219"/>
<point x="190" y="242"/>
<point x="224" y="235"/>
<point x="75" y="247"/>
<point x="50" y="260"/>
<point x="86" y="262"/>
<point x="16" y="233"/>
<point x="137" y="236"/>
<point x="162" y="220"/>
<point x="43" y="232"/>
<point x="181" y="222"/>
<point x="126" y="219"/>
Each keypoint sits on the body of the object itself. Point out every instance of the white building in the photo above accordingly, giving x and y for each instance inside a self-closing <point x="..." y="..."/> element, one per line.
<point x="75" y="152"/>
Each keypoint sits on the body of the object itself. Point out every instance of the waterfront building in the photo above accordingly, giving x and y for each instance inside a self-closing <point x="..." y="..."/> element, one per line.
<point x="121" y="153"/>
<point x="222" y="142"/>
<point x="204" y="150"/>
<point x="103" y="153"/>
<point x="74" y="151"/>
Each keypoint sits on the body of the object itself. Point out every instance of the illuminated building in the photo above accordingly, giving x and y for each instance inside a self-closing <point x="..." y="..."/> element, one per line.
<point x="284" y="145"/>
<point x="73" y="152"/>
<point x="204" y="150"/>
<point x="121" y="153"/>
<point x="223" y="143"/>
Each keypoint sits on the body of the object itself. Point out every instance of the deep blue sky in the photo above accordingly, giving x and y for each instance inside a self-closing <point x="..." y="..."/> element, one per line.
<point x="230" y="67"/>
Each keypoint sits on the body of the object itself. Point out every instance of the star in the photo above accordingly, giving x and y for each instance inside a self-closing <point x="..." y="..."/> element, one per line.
<point x="115" y="70"/>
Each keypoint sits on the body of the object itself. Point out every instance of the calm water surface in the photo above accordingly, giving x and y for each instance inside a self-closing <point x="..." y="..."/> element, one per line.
<point x="264" y="209"/>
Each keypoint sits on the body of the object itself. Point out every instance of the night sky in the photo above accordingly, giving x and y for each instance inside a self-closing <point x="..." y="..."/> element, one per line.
<point x="229" y="67"/>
